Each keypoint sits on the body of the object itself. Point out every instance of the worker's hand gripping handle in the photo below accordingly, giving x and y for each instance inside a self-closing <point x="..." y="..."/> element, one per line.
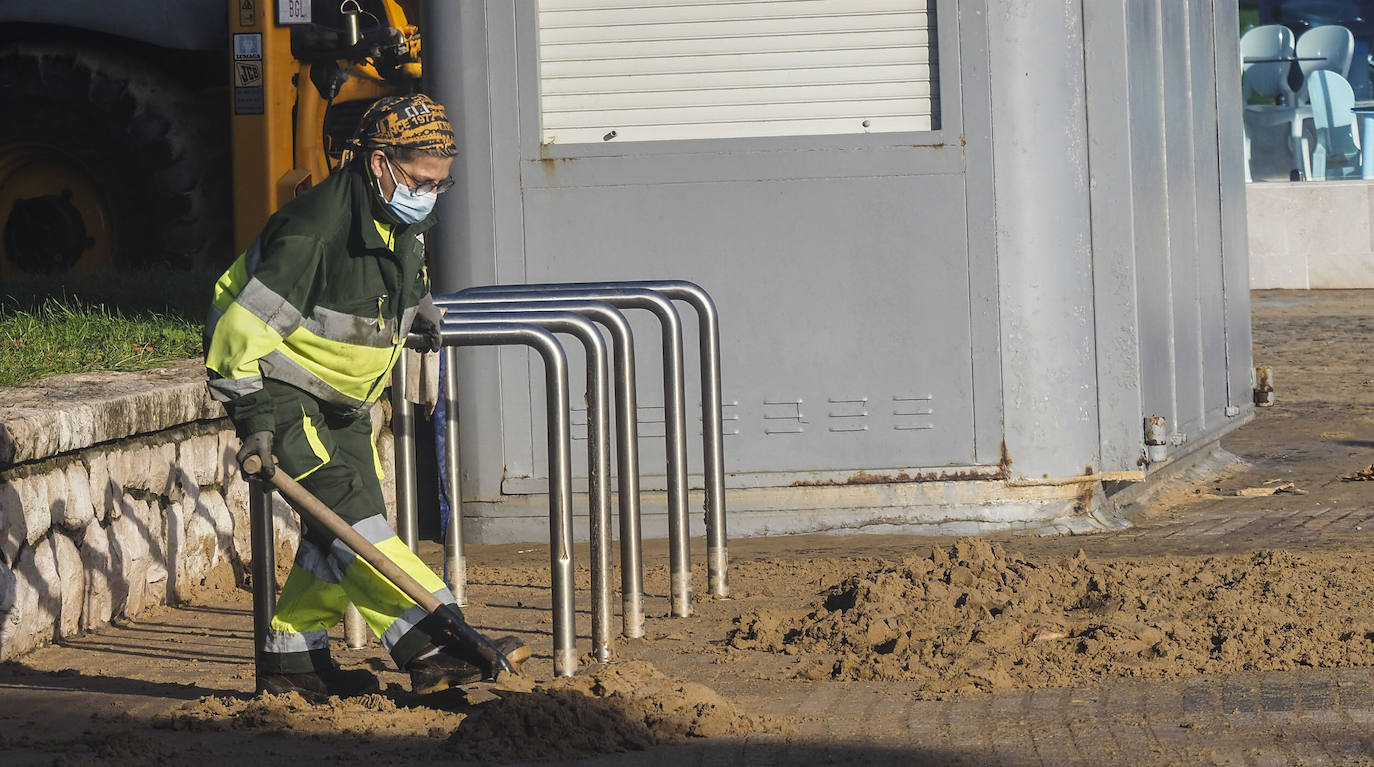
<point x="469" y="644"/>
<point x="252" y="465"/>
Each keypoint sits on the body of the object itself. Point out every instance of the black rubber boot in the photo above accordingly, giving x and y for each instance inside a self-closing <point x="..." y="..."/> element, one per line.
<point x="319" y="687"/>
<point x="436" y="669"/>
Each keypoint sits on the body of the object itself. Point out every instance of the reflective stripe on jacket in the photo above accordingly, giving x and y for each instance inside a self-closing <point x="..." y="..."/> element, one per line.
<point x="322" y="300"/>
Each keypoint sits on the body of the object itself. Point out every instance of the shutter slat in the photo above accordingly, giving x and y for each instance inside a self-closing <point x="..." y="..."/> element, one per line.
<point x="632" y="67"/>
<point x="705" y="97"/>
<point x="746" y="78"/>
<point x="555" y="14"/>
<point x="756" y="129"/>
<point x="818" y="43"/>
<point x="731" y="28"/>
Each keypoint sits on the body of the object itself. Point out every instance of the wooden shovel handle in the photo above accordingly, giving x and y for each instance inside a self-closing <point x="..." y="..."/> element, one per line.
<point x="322" y="515"/>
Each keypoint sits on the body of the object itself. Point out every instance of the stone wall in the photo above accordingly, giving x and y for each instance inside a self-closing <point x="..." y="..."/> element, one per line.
<point x="119" y="491"/>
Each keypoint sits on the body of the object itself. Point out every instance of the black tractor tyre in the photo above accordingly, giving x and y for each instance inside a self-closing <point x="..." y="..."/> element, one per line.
<point x="157" y="159"/>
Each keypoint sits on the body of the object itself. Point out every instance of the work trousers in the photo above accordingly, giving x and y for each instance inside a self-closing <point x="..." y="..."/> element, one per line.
<point x="333" y="456"/>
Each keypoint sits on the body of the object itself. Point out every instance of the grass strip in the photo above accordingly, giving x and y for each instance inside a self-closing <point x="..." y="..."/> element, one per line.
<point x="111" y="321"/>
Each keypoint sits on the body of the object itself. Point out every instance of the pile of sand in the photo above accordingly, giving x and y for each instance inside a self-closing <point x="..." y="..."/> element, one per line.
<point x="603" y="709"/>
<point x="365" y="716"/>
<point x="971" y="617"/>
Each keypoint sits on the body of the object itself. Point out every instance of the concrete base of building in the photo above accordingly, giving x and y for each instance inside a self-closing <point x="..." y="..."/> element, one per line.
<point x="1311" y="235"/>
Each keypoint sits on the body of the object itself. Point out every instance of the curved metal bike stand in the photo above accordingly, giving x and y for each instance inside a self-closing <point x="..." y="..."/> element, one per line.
<point x="675" y="422"/>
<point x="455" y="557"/>
<point x="627" y="434"/>
<point x="712" y="415"/>
<point x="460" y="333"/>
<point x="403" y="447"/>
<point x="598" y="450"/>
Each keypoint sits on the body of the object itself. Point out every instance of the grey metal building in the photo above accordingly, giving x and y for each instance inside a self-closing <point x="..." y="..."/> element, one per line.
<point x="961" y="249"/>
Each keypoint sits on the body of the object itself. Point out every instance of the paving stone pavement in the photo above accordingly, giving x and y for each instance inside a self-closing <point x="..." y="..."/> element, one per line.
<point x="1303" y="717"/>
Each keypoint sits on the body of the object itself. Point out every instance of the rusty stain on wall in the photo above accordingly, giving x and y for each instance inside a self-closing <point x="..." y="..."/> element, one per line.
<point x="869" y="478"/>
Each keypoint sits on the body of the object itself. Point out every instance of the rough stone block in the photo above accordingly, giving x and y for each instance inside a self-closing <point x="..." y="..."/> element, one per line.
<point x="235" y="491"/>
<point x="387" y="453"/>
<point x="77" y="511"/>
<point x="104" y="581"/>
<point x="228" y="448"/>
<point x="241" y="539"/>
<point x="286" y="526"/>
<point x="31" y="620"/>
<point x="13" y="529"/>
<point x="117" y="464"/>
<point x="71" y="582"/>
<point x="97" y="474"/>
<point x="192" y="545"/>
<point x="134" y="459"/>
<point x="152" y="519"/>
<point x="209" y="462"/>
<point x="7" y="585"/>
<point x="129" y="547"/>
<point x="56" y="482"/>
<point x="216" y="511"/>
<point x="105" y="490"/>
<point x="27" y="515"/>
<point x="162" y="467"/>
<point x="198" y="458"/>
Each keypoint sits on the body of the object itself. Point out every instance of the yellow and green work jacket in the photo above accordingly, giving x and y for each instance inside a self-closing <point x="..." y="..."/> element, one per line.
<point x="322" y="300"/>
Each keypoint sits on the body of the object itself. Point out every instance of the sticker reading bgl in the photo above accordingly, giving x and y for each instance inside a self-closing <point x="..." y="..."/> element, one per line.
<point x="293" y="11"/>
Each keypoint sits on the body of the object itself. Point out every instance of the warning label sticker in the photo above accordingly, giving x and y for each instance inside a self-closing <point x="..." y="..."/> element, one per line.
<point x="248" y="15"/>
<point x="248" y="101"/>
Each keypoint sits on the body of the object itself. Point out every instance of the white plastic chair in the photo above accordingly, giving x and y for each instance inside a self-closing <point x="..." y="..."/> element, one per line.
<point x="1336" y="154"/>
<point x="1269" y="81"/>
<point x="1333" y="44"/>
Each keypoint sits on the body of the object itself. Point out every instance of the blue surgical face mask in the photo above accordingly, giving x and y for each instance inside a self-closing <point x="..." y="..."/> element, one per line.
<point x="409" y="205"/>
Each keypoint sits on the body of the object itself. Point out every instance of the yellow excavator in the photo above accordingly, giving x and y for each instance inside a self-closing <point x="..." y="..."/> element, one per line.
<point x="146" y="133"/>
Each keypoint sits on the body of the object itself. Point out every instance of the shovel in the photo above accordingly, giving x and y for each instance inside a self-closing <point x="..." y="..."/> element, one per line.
<point x="465" y="641"/>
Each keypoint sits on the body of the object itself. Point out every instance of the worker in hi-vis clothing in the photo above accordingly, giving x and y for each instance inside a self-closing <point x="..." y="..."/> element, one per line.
<point x="301" y="339"/>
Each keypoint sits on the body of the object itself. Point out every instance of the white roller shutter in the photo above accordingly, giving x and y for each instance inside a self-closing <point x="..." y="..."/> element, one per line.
<point x="655" y="70"/>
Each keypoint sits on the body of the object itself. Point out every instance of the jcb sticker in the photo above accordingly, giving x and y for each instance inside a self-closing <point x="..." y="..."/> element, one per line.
<point x="248" y="47"/>
<point x="248" y="15"/>
<point x="247" y="73"/>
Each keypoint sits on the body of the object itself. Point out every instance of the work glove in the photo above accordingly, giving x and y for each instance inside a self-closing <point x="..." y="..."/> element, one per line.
<point x="426" y="324"/>
<point x="258" y="443"/>
<point x="450" y="630"/>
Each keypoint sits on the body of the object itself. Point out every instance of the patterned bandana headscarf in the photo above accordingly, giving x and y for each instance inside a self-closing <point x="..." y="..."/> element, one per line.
<point x="408" y="122"/>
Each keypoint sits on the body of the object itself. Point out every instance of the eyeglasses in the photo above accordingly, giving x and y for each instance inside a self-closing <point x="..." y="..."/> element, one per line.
<point x="424" y="187"/>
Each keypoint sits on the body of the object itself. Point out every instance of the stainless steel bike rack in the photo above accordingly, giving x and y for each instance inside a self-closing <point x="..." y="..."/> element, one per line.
<point x="675" y="421"/>
<point x="713" y="449"/>
<point x="598" y="450"/>
<point x="627" y="440"/>
<point x="460" y="333"/>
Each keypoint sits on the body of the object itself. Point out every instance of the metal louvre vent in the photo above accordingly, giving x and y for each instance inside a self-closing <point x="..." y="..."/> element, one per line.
<point x="656" y="70"/>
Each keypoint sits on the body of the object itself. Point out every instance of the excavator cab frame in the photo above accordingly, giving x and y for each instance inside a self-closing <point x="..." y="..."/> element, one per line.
<point x="300" y="84"/>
